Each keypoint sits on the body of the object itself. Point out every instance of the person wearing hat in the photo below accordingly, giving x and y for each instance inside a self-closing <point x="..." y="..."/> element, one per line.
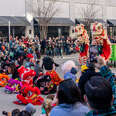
<point x="30" y="108"/>
<point x="30" y="61"/>
<point x="49" y="80"/>
<point x="70" y="70"/>
<point x="86" y="73"/>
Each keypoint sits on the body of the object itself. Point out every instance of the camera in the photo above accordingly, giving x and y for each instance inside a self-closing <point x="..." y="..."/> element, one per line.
<point x="93" y="54"/>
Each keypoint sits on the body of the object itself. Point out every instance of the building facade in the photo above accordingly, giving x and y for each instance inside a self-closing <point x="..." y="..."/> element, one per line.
<point x="73" y="9"/>
<point x="21" y="14"/>
<point x="14" y="18"/>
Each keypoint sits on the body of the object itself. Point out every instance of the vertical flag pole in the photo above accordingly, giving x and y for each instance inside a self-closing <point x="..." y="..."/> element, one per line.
<point x="9" y="24"/>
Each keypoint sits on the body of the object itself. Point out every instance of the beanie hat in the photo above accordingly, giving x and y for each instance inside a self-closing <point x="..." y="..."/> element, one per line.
<point x="30" y="108"/>
<point x="68" y="65"/>
<point x="73" y="71"/>
<point x="48" y="63"/>
<point x="99" y="93"/>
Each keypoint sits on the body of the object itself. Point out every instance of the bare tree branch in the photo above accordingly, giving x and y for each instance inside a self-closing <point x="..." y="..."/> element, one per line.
<point x="45" y="12"/>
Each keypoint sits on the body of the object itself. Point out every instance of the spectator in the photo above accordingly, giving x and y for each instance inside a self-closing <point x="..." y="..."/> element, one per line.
<point x="70" y="70"/>
<point x="31" y="109"/>
<point x="37" y="68"/>
<point x="24" y="113"/>
<point x="15" y="112"/>
<point x="69" y="101"/>
<point x="99" y="97"/>
<point x="12" y="69"/>
<point x="107" y="74"/>
<point x="43" y="46"/>
<point x="87" y="73"/>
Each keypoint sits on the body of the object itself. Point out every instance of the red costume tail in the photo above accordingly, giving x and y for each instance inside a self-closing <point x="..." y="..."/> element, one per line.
<point x="106" y="50"/>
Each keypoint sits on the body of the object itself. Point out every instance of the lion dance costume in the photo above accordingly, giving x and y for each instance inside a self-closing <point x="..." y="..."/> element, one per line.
<point x="26" y="75"/>
<point x="101" y="40"/>
<point x="4" y="80"/>
<point x="29" y="94"/>
<point x="83" y="42"/>
<point x="13" y="86"/>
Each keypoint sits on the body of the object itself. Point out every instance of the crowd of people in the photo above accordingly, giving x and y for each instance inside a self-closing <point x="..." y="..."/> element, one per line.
<point x="51" y="47"/>
<point x="58" y="46"/>
<point x="86" y="91"/>
<point x="91" y="94"/>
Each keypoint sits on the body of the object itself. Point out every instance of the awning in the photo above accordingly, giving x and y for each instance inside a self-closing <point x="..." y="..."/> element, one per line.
<point x="111" y="22"/>
<point x="59" y="21"/>
<point x="14" y="21"/>
<point x="83" y="21"/>
<point x="99" y="20"/>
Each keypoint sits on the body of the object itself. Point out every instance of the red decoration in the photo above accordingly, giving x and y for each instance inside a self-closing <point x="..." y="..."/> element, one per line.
<point x="28" y="95"/>
<point x="54" y="77"/>
<point x="29" y="56"/>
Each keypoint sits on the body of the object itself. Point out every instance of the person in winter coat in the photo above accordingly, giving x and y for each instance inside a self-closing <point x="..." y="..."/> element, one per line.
<point x="69" y="100"/>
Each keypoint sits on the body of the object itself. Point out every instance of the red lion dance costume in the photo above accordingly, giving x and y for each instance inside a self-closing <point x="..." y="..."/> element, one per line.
<point x="26" y="75"/>
<point x="100" y="38"/>
<point x="83" y="42"/>
<point x="28" y="95"/>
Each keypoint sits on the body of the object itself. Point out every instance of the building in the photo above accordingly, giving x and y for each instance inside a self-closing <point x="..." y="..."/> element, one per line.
<point x="13" y="18"/>
<point x="21" y="16"/>
<point x="69" y="10"/>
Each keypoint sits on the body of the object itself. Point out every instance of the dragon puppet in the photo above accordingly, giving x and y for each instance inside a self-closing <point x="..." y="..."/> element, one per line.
<point x="26" y="75"/>
<point x="29" y="94"/>
<point x="83" y="43"/>
<point x="100" y="39"/>
<point x="13" y="86"/>
<point x="4" y="80"/>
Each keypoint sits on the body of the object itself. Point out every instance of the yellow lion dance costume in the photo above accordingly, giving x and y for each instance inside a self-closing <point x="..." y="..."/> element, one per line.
<point x="83" y="42"/>
<point x="100" y="38"/>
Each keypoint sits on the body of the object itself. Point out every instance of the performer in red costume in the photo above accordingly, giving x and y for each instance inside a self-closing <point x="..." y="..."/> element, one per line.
<point x="100" y="39"/>
<point x="83" y="43"/>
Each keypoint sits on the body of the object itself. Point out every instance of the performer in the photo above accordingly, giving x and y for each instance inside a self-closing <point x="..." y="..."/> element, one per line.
<point x="83" y="43"/>
<point x="48" y="81"/>
<point x="100" y="39"/>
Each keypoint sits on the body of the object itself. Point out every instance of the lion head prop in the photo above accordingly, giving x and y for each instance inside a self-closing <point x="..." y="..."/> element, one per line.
<point x="13" y="86"/>
<point x="83" y="43"/>
<point x="99" y="37"/>
<point x="26" y="75"/>
<point x="28" y="95"/>
<point x="82" y="34"/>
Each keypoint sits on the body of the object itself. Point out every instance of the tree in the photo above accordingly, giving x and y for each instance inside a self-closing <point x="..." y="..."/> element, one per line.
<point x="45" y="11"/>
<point x="89" y="14"/>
